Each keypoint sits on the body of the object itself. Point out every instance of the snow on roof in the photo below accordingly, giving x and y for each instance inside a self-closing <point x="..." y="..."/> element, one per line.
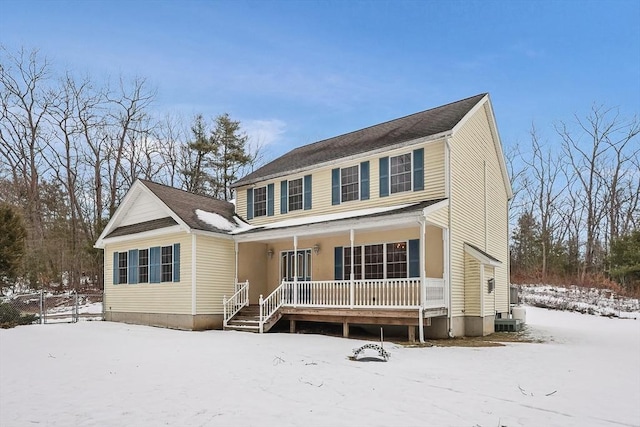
<point x="323" y="218"/>
<point x="220" y="222"/>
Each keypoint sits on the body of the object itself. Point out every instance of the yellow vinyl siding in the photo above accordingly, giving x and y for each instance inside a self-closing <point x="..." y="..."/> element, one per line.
<point x="471" y="147"/>
<point x="166" y="297"/>
<point x="322" y="264"/>
<point x="489" y="298"/>
<point x="434" y="179"/>
<point x="215" y="261"/>
<point x="439" y="217"/>
<point x="471" y="286"/>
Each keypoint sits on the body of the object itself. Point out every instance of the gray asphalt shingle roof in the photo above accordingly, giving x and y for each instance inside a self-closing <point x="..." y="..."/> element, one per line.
<point x="184" y="204"/>
<point x="426" y="123"/>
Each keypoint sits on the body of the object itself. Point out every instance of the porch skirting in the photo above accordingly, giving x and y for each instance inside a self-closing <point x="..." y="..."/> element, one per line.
<point x="198" y="322"/>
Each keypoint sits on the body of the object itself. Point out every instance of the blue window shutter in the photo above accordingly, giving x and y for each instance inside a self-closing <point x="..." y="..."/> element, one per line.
<point x="384" y="176"/>
<point x="154" y="264"/>
<point x="307" y="192"/>
<point x="115" y="268"/>
<point x="250" y="203"/>
<point x="414" y="258"/>
<point x="270" y="196"/>
<point x="337" y="262"/>
<point x="418" y="169"/>
<point x="133" y="266"/>
<point x="284" y="196"/>
<point x="335" y="186"/>
<point x="176" y="262"/>
<point x="364" y="181"/>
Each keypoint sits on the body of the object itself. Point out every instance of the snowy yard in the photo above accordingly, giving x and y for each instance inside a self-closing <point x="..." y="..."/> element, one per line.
<point x="587" y="373"/>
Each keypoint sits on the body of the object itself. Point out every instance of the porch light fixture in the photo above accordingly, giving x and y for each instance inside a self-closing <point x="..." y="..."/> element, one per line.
<point x="270" y="253"/>
<point x="316" y="248"/>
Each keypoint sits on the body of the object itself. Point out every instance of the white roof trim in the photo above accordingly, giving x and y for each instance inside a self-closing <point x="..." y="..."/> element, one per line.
<point x="421" y="140"/>
<point x="130" y="198"/>
<point x="435" y="207"/>
<point x="142" y="235"/>
<point x="486" y="100"/>
<point x="481" y="257"/>
<point x="338" y="223"/>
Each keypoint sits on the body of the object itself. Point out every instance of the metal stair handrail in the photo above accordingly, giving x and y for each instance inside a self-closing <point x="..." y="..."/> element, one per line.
<point x="234" y="304"/>
<point x="270" y="305"/>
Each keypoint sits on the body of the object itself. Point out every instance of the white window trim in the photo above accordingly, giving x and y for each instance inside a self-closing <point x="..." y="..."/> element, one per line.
<point x="410" y="173"/>
<point x="346" y="273"/>
<point x="148" y="264"/>
<point x="358" y="181"/>
<point x="289" y="194"/>
<point x="266" y="201"/>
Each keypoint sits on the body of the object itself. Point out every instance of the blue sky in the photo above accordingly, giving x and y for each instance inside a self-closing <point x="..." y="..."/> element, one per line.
<point x="299" y="71"/>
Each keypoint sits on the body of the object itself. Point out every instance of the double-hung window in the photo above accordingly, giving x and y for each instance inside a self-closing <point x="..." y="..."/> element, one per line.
<point x="349" y="183"/>
<point x="122" y="267"/>
<point x="295" y="194"/>
<point x="166" y="268"/>
<point x="260" y="201"/>
<point x="143" y="266"/>
<point x="400" y="173"/>
<point x="396" y="260"/>
<point x="379" y="261"/>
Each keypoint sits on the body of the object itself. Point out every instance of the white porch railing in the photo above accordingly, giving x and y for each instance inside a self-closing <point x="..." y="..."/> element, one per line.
<point x="234" y="304"/>
<point x="434" y="293"/>
<point x="381" y="293"/>
<point x="269" y="306"/>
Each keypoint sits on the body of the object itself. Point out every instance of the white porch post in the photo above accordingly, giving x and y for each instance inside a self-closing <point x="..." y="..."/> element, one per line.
<point x="352" y="275"/>
<point x="446" y="270"/>
<point x="295" y="271"/>
<point x="236" y="275"/>
<point x="423" y="278"/>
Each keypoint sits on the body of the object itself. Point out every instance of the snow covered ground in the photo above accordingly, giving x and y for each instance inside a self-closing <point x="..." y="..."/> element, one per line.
<point x="586" y="373"/>
<point x="602" y="302"/>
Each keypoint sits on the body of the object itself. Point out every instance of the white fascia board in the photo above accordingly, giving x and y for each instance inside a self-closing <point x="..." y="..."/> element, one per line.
<point x="168" y="210"/>
<point x="498" y="143"/>
<point x="435" y="207"/>
<point x="469" y="114"/>
<point x="318" y="229"/>
<point x="496" y="138"/>
<point x="119" y="213"/>
<point x="144" y="235"/>
<point x="482" y="258"/>
<point x="130" y="198"/>
<point x="213" y="234"/>
<point x="422" y="140"/>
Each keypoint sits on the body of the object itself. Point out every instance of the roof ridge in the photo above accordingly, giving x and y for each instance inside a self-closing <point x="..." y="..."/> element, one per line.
<point x="388" y="121"/>
<point x="190" y="193"/>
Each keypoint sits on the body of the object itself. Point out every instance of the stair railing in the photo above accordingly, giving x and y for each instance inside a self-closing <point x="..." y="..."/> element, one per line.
<point x="269" y="306"/>
<point x="234" y="304"/>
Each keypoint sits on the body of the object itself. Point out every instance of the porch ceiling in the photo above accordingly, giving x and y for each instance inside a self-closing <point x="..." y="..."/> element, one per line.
<point x="331" y="224"/>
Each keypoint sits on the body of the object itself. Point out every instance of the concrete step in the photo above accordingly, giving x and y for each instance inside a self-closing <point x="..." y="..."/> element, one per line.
<point x="242" y="328"/>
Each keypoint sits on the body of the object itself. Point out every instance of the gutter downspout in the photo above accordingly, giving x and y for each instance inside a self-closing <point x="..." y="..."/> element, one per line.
<point x="423" y="279"/>
<point x="447" y="164"/>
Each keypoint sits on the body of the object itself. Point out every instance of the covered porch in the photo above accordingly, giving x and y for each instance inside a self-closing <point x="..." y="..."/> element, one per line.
<point x="384" y="268"/>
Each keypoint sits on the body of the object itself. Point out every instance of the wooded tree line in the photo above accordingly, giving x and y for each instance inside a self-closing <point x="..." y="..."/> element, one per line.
<point x="70" y="148"/>
<point x="576" y="210"/>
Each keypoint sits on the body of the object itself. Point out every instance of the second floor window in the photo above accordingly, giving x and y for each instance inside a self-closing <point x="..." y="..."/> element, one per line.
<point x="295" y="194"/>
<point x="260" y="201"/>
<point x="400" y="173"/>
<point x="349" y="179"/>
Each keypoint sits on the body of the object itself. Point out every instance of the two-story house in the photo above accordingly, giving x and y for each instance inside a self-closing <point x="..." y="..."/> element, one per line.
<point x="400" y="223"/>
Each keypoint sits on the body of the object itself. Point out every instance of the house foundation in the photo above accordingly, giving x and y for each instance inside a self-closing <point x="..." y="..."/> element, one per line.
<point x="199" y="322"/>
